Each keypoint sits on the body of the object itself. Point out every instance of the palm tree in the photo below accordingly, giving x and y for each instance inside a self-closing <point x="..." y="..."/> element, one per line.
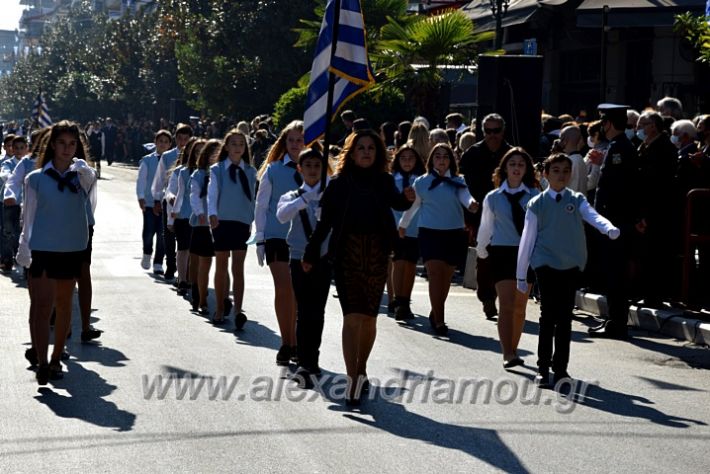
<point x="410" y="55"/>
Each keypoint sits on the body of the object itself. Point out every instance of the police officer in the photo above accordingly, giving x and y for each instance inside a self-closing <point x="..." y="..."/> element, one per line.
<point x="617" y="199"/>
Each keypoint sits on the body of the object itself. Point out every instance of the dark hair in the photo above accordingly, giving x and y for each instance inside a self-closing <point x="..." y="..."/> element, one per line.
<point x="223" y="153"/>
<point x="594" y="130"/>
<point x="163" y="133"/>
<point x="402" y="134"/>
<point x="419" y="166"/>
<point x="60" y="128"/>
<point x="345" y="160"/>
<point x="361" y="124"/>
<point x="451" y="133"/>
<point x="19" y="139"/>
<point x="308" y="153"/>
<point x="554" y="159"/>
<point x="192" y="156"/>
<point x="500" y="174"/>
<point x="183" y="129"/>
<point x="348" y="115"/>
<point x="388" y="130"/>
<point x="453" y="165"/>
<point x="39" y="143"/>
<point x="205" y="158"/>
<point x="9" y="138"/>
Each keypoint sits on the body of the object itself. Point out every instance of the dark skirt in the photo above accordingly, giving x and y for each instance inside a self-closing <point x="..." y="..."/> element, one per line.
<point x="276" y="250"/>
<point x="201" y="242"/>
<point x="449" y="245"/>
<point x="183" y="232"/>
<point x="57" y="265"/>
<point x="231" y="235"/>
<point x="406" y="249"/>
<point x="361" y="272"/>
<point x="89" y="247"/>
<point x="504" y="262"/>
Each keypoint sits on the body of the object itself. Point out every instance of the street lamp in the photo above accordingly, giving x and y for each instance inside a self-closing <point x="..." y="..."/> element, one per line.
<point x="499" y="9"/>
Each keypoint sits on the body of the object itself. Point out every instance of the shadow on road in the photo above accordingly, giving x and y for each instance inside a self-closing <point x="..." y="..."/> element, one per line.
<point x="85" y="401"/>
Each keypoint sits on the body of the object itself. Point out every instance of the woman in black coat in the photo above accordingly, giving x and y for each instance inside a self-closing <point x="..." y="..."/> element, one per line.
<point x="357" y="207"/>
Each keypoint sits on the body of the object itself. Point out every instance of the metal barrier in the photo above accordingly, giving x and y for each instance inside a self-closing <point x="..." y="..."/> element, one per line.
<point x="696" y="198"/>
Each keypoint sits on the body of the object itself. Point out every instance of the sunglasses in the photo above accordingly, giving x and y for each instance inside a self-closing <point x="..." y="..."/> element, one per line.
<point x="491" y="131"/>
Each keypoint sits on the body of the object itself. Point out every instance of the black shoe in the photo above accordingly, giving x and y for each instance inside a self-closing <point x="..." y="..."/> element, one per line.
<point x="204" y="310"/>
<point x="183" y="288"/>
<point x="294" y="355"/>
<point x="228" y="305"/>
<point x="43" y="374"/>
<point x="169" y="276"/>
<point x="239" y="321"/>
<point x="195" y="298"/>
<point x="217" y="322"/>
<point x="513" y="363"/>
<point x="55" y="370"/>
<point x="559" y="376"/>
<point x="442" y="330"/>
<point x="403" y="312"/>
<point x="283" y="356"/>
<point x="53" y="318"/>
<point x="542" y="379"/>
<point x="90" y="334"/>
<point x="352" y="401"/>
<point x="64" y="356"/>
<point x="31" y="356"/>
<point x="304" y="377"/>
<point x="391" y="307"/>
<point x="431" y="319"/>
<point x="490" y="310"/>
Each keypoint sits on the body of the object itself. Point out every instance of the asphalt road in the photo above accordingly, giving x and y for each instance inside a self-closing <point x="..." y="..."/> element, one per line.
<point x="126" y="404"/>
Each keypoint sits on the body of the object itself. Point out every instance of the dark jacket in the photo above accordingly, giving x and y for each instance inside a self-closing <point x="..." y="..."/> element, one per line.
<point x="359" y="201"/>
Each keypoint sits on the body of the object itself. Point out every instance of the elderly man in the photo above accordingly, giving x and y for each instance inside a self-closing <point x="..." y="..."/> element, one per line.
<point x="671" y="107"/>
<point x="477" y="165"/>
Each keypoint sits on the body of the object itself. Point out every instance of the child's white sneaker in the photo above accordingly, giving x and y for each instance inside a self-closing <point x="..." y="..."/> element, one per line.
<point x="145" y="262"/>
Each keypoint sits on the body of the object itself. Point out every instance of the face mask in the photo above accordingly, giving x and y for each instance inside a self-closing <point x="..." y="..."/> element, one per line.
<point x="675" y="139"/>
<point x="641" y="134"/>
<point x="629" y="133"/>
<point x="590" y="142"/>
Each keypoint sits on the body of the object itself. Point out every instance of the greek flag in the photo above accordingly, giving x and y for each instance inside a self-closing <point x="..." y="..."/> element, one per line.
<point x="40" y="112"/>
<point x="350" y="64"/>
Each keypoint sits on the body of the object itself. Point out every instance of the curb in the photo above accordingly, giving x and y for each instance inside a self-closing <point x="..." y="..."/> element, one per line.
<point x="671" y="322"/>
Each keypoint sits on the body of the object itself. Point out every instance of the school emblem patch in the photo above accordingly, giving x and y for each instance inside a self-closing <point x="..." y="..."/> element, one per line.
<point x="570" y="208"/>
<point x="616" y="159"/>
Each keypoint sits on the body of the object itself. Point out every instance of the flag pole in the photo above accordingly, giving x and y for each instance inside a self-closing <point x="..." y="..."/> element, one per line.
<point x="329" y="100"/>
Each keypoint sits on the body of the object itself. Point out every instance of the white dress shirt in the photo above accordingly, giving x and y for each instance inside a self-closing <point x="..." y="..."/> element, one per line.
<point x="527" y="240"/>
<point x="485" y="230"/>
<point x="198" y="207"/>
<point x="157" y="187"/>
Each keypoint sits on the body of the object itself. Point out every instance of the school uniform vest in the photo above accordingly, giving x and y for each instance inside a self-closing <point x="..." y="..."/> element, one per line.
<point x="232" y="203"/>
<point x="151" y="162"/>
<point x="440" y="208"/>
<point x="560" y="241"/>
<point x="29" y="165"/>
<point x="504" y="231"/>
<point x="60" y="223"/>
<point x="199" y="176"/>
<point x="413" y="228"/>
<point x="282" y="181"/>
<point x="169" y="158"/>
<point x="296" y="237"/>
<point x="185" y="209"/>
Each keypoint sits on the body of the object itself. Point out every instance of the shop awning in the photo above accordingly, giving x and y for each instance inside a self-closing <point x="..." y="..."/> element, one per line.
<point x="635" y="13"/>
<point x="519" y="12"/>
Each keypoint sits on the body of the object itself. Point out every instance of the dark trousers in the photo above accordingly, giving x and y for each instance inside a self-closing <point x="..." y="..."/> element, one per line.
<point x="153" y="227"/>
<point x="557" y="293"/>
<point x="311" y="290"/>
<point x="10" y="233"/>
<point x="169" y="242"/>
<point x="484" y="276"/>
<point x="616" y="280"/>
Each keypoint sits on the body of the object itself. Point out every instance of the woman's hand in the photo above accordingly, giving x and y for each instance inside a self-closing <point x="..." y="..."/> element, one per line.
<point x="402" y="232"/>
<point x="141" y="204"/>
<point x="307" y="267"/>
<point x="214" y="222"/>
<point x="473" y="207"/>
<point x="409" y="194"/>
<point x="202" y="219"/>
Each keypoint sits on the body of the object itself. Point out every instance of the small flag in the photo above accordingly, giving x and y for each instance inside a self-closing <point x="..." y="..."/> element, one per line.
<point x="350" y="64"/>
<point x="40" y="112"/>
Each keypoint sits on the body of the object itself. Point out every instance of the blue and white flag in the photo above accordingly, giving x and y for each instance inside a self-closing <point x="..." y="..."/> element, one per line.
<point x="40" y="112"/>
<point x="350" y="64"/>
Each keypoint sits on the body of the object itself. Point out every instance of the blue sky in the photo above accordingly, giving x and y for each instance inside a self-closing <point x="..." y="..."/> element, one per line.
<point x="11" y="12"/>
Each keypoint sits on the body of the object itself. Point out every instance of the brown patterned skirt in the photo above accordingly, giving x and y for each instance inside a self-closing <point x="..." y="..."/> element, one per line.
<point x="361" y="273"/>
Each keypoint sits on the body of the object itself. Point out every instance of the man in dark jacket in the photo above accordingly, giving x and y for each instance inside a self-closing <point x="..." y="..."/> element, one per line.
<point x="477" y="165"/>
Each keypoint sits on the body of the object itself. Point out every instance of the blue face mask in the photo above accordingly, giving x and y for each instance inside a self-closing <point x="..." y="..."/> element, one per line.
<point x="629" y="133"/>
<point x="641" y="134"/>
<point x="675" y="139"/>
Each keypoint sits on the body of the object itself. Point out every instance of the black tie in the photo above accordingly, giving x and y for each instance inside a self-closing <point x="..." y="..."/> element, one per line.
<point x="68" y="180"/>
<point x="205" y="183"/>
<point x="438" y="179"/>
<point x="517" y="209"/>
<point x="305" y="221"/>
<point x="405" y="180"/>
<point x="558" y="198"/>
<point x="296" y="176"/>
<point x="233" y="171"/>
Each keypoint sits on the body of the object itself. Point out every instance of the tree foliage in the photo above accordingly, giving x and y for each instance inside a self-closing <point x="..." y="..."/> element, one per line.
<point x="696" y="29"/>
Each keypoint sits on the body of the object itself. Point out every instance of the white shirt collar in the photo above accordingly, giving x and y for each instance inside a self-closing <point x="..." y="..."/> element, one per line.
<point x="436" y="173"/>
<point x="506" y="187"/>
<point x="227" y="162"/>
<point x="287" y="159"/>
<point x="553" y="194"/>
<point x="51" y="165"/>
